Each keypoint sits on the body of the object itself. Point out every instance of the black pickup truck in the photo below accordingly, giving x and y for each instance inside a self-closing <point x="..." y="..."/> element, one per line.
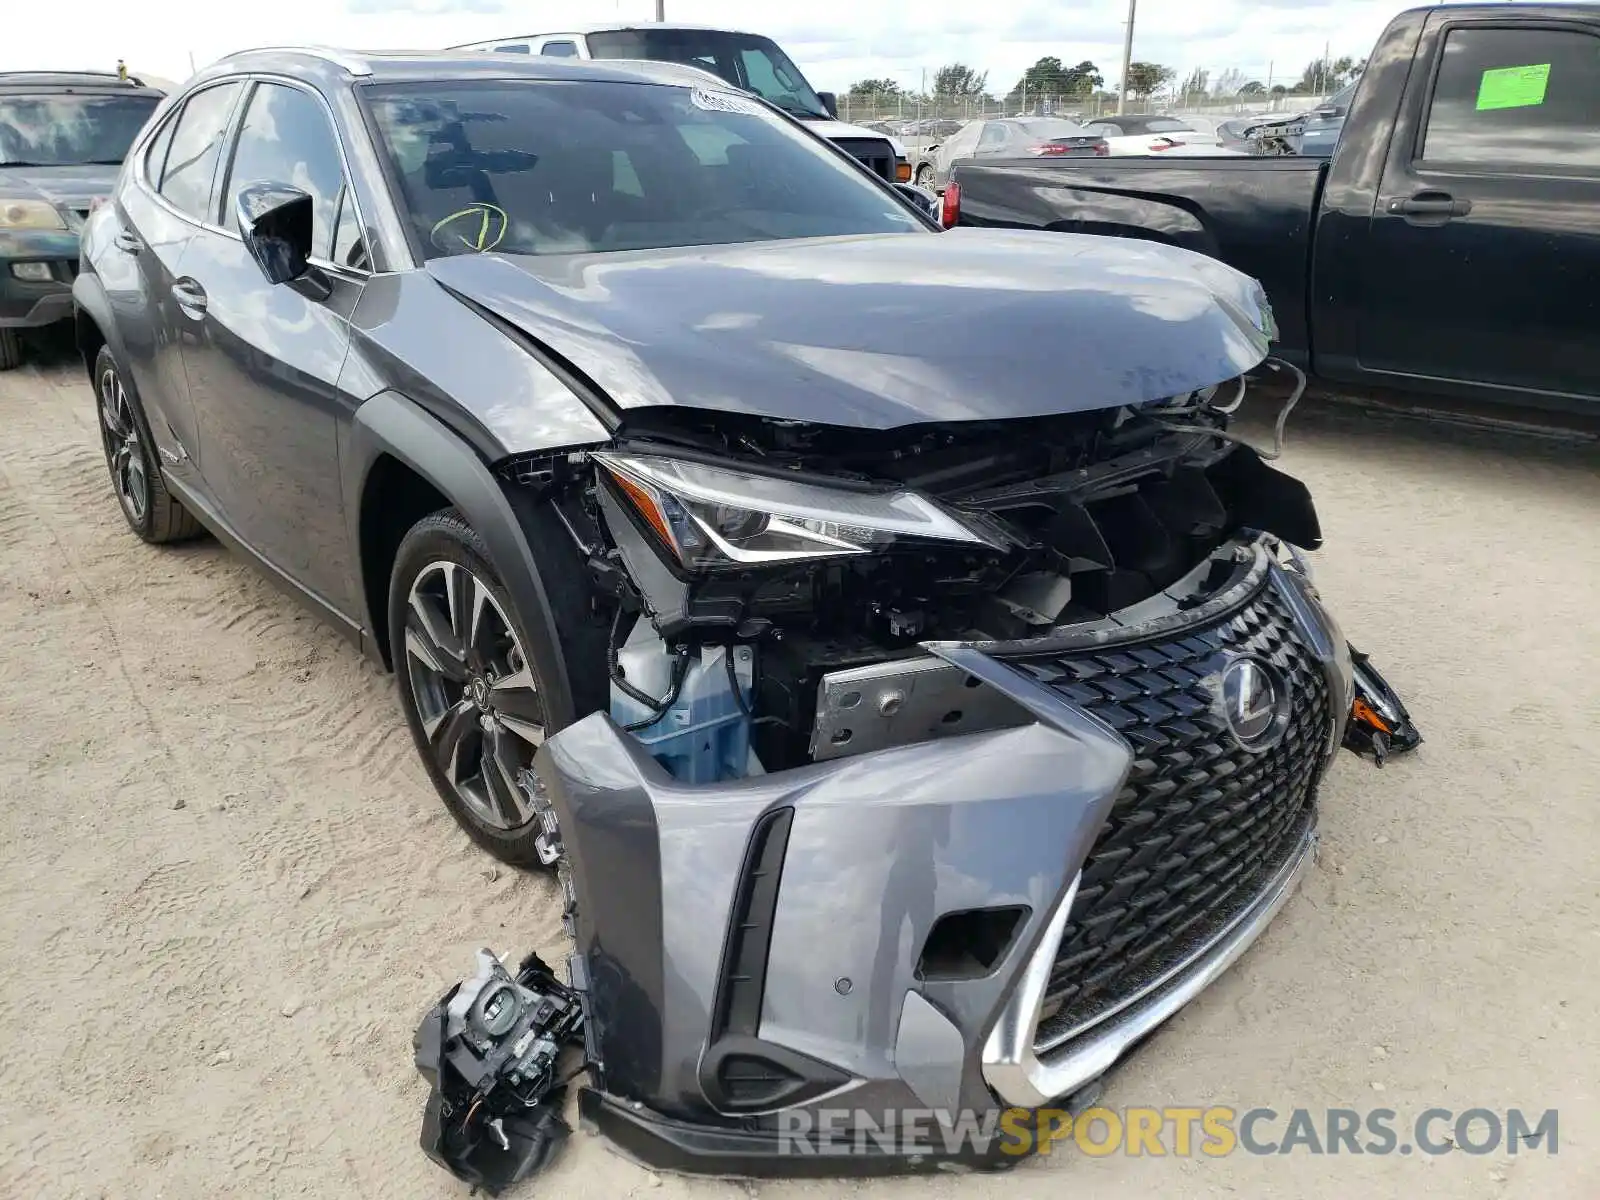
<point x="1451" y="245"/>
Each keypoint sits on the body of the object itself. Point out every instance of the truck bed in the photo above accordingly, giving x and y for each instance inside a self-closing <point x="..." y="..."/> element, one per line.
<point x="1255" y="213"/>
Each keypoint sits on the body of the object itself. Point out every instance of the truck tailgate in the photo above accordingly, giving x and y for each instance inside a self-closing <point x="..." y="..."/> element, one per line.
<point x="1256" y="214"/>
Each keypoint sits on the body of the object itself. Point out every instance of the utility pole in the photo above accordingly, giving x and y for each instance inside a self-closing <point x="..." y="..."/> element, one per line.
<point x="661" y="11"/>
<point x="1127" y="61"/>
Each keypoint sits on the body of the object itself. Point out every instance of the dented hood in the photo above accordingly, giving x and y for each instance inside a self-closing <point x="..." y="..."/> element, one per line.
<point x="882" y="331"/>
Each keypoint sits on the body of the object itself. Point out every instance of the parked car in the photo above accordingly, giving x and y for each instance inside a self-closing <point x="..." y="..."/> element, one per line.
<point x="62" y="138"/>
<point x="1155" y="135"/>
<point x="1320" y="132"/>
<point x="1447" y="247"/>
<point x="1008" y="137"/>
<point x="723" y="519"/>
<point x="746" y="60"/>
<point x="1267" y="134"/>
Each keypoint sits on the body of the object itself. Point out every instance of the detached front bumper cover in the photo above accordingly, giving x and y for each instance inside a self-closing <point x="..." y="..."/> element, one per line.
<point x="761" y="951"/>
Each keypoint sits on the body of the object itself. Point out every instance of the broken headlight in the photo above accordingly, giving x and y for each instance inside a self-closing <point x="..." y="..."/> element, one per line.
<point x="718" y="516"/>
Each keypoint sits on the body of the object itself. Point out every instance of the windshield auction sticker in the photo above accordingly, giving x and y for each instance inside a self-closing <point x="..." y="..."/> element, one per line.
<point x="723" y="102"/>
<point x="1513" y="87"/>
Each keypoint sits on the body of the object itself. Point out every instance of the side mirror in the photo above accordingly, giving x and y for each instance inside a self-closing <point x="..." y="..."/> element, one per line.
<point x="275" y="221"/>
<point x="830" y="102"/>
<point x="1335" y="110"/>
<point x="925" y="200"/>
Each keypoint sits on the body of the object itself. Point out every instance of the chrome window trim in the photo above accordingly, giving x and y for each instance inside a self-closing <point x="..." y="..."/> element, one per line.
<point x="249" y="80"/>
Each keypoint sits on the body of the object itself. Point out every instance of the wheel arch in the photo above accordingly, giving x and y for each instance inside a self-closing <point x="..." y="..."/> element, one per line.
<point x="399" y="458"/>
<point x="92" y="325"/>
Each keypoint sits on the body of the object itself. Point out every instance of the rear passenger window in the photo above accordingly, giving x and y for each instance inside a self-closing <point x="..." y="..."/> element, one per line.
<point x="513" y="48"/>
<point x="155" y="158"/>
<point x="1516" y="99"/>
<point x="191" y="162"/>
<point x="560" y="50"/>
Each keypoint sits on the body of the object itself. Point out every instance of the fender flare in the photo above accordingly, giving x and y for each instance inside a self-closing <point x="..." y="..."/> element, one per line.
<point x="391" y="424"/>
<point x="89" y="299"/>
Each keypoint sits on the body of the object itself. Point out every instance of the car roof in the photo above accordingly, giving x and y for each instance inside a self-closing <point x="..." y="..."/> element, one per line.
<point x="330" y="67"/>
<point x="108" y="81"/>
<point x="616" y="27"/>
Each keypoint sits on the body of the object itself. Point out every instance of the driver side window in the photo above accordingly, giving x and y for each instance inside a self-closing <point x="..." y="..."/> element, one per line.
<point x="286" y="138"/>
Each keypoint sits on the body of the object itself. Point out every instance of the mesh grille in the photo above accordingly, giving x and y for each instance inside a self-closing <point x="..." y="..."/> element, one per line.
<point x="1202" y="824"/>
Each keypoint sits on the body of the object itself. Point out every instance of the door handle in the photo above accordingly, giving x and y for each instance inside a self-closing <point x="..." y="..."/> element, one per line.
<point x="190" y="297"/>
<point x="128" y="243"/>
<point x="1438" y="206"/>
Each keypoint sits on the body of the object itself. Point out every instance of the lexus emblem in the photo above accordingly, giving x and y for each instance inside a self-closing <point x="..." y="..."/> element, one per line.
<point x="1254" y="703"/>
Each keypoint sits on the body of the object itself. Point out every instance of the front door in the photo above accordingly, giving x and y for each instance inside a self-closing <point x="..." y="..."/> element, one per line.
<point x="263" y="365"/>
<point x="1484" y="257"/>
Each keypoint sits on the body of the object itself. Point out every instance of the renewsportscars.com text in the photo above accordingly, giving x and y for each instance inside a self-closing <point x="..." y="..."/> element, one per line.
<point x="1214" y="1131"/>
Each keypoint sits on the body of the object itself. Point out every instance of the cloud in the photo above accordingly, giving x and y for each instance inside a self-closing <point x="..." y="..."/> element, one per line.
<point x="835" y="41"/>
<point x="427" y="7"/>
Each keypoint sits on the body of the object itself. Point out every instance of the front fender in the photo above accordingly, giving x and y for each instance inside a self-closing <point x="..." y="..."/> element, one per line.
<point x="391" y="424"/>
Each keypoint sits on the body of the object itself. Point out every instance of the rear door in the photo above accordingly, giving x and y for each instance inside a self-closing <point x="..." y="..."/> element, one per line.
<point x="263" y="361"/>
<point x="159" y="205"/>
<point x="1483" y="258"/>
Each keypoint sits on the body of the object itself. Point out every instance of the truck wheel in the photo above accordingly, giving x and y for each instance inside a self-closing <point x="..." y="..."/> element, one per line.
<point x="468" y="685"/>
<point x="150" y="510"/>
<point x="10" y="349"/>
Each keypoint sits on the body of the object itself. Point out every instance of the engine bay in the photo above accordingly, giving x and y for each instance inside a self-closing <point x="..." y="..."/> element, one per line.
<point x="737" y="633"/>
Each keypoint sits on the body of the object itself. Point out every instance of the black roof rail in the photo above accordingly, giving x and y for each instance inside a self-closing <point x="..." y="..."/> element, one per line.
<point x="65" y="77"/>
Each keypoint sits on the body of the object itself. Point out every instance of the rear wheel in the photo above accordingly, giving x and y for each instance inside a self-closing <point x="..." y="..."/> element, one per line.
<point x="10" y="349"/>
<point x="150" y="510"/>
<point x="471" y="694"/>
<point x="925" y="175"/>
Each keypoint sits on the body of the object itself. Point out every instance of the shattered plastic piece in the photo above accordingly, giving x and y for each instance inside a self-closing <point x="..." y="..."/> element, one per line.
<point x="489" y="1049"/>
<point x="1379" y="723"/>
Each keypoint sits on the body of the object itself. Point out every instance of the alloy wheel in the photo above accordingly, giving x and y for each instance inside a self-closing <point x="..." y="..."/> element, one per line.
<point x="124" y="451"/>
<point x="475" y="694"/>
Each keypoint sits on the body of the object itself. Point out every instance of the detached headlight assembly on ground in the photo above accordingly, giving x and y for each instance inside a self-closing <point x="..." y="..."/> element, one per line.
<point x="718" y="517"/>
<point x="29" y="214"/>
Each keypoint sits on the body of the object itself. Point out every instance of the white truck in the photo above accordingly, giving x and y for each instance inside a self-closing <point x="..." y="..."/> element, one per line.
<point x="746" y="60"/>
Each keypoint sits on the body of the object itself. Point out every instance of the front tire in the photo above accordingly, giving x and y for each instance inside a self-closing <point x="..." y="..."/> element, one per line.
<point x="150" y="510"/>
<point x="10" y="349"/>
<point x="468" y="684"/>
<point x="925" y="176"/>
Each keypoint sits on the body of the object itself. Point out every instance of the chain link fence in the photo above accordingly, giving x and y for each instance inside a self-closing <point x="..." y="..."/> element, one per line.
<point x="901" y="109"/>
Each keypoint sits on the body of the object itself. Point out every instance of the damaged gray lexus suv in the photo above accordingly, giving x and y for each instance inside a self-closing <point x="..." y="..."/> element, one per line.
<point x="914" y="680"/>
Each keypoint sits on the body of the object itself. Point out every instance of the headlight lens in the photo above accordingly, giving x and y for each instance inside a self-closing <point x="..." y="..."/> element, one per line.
<point x="29" y="214"/>
<point x="718" y="516"/>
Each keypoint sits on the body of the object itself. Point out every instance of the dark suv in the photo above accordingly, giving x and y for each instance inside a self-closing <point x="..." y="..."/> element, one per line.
<point x="726" y="522"/>
<point x="62" y="138"/>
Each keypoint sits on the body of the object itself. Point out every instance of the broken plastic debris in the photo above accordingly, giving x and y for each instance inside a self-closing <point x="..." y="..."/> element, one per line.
<point x="489" y="1050"/>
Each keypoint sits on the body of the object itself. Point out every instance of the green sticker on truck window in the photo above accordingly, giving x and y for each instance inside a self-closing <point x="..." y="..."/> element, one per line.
<point x="1513" y="87"/>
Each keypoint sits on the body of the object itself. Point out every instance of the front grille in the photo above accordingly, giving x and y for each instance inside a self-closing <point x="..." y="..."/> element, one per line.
<point x="875" y="154"/>
<point x="1202" y="824"/>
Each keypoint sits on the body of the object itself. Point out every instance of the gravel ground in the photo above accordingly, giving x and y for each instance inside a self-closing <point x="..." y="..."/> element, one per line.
<point x="228" y="891"/>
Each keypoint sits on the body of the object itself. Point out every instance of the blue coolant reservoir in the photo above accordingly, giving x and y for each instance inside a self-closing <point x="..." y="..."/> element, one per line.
<point x="705" y="736"/>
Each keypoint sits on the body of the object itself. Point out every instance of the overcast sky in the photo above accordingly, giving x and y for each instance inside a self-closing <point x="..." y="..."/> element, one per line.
<point x="834" y="41"/>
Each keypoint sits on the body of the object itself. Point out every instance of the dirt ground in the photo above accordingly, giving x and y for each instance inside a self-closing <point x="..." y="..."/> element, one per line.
<point x="228" y="892"/>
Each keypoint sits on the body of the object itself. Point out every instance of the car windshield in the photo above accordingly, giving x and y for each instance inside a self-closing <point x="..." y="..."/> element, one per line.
<point x="566" y="167"/>
<point x="744" y="60"/>
<point x="64" y="130"/>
